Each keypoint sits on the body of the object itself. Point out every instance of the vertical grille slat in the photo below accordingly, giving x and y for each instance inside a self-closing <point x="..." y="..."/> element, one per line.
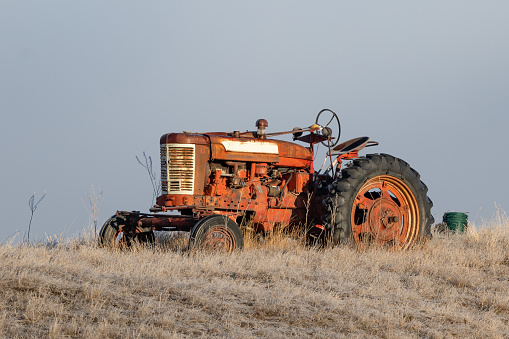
<point x="177" y="168"/>
<point x="164" y="170"/>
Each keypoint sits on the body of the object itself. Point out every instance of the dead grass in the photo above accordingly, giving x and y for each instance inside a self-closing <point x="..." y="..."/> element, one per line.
<point x="453" y="286"/>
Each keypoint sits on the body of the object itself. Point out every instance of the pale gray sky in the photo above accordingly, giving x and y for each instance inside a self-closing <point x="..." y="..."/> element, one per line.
<point x="85" y="86"/>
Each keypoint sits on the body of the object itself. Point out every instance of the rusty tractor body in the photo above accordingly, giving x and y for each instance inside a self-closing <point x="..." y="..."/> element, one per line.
<point x="219" y="182"/>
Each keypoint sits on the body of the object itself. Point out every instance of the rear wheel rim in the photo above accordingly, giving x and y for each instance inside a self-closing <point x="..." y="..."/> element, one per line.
<point x="385" y="212"/>
<point x="219" y="238"/>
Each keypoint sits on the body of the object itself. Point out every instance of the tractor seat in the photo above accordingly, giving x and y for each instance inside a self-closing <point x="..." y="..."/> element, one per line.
<point x="350" y="146"/>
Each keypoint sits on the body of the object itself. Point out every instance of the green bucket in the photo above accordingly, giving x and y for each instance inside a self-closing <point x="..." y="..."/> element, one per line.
<point x="456" y="221"/>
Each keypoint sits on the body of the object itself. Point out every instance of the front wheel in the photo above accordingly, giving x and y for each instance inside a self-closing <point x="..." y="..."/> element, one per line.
<point x="216" y="233"/>
<point x="379" y="199"/>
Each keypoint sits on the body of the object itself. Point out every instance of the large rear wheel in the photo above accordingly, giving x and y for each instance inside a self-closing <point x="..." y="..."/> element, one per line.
<point x="379" y="200"/>
<point x="216" y="233"/>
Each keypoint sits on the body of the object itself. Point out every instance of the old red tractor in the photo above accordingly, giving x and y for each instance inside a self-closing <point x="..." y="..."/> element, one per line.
<point x="221" y="181"/>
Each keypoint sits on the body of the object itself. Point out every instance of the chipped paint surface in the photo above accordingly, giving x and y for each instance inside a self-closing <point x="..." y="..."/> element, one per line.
<point x="255" y="146"/>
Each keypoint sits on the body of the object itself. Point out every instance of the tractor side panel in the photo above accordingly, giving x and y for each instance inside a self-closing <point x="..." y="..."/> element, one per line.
<point x="290" y="150"/>
<point x="243" y="149"/>
<point x="202" y="170"/>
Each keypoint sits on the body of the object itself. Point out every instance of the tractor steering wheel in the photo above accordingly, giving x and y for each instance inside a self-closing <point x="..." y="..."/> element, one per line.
<point x="327" y="131"/>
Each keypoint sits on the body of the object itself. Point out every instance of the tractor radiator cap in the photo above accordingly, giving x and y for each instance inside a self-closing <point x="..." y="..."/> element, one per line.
<point x="262" y="123"/>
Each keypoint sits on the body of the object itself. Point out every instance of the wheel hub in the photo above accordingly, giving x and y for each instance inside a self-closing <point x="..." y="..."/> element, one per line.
<point x="384" y="216"/>
<point x="219" y="239"/>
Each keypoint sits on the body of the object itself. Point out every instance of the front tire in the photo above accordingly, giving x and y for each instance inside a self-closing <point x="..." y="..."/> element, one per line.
<point x="216" y="233"/>
<point x="379" y="200"/>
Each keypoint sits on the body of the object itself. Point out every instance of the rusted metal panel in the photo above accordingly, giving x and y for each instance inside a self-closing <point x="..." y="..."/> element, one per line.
<point x="161" y="222"/>
<point x="294" y="163"/>
<point x="184" y="138"/>
<point x="243" y="149"/>
<point x="298" y="182"/>
<point x="202" y="170"/>
<point x="291" y="150"/>
<point x="173" y="200"/>
<point x="141" y="222"/>
<point x="282" y="216"/>
<point x="255" y="150"/>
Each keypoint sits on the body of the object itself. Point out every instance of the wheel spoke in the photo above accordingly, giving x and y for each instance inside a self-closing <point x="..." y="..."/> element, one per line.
<point x="385" y="191"/>
<point x="363" y="202"/>
<point x="332" y="118"/>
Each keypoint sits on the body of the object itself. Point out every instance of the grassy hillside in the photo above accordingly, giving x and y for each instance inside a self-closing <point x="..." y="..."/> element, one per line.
<point x="453" y="286"/>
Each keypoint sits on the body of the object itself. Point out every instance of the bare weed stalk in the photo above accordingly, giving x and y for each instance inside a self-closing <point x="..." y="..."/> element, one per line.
<point x="94" y="204"/>
<point x="33" y="206"/>
<point x="154" y="181"/>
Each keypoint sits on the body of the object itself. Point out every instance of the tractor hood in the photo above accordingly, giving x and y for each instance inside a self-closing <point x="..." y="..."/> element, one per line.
<point x="246" y="149"/>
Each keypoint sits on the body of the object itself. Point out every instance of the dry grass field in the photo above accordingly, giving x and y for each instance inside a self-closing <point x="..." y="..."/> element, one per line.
<point x="454" y="286"/>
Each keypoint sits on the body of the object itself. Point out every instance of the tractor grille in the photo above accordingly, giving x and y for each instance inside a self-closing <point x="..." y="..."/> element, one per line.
<point x="177" y="168"/>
